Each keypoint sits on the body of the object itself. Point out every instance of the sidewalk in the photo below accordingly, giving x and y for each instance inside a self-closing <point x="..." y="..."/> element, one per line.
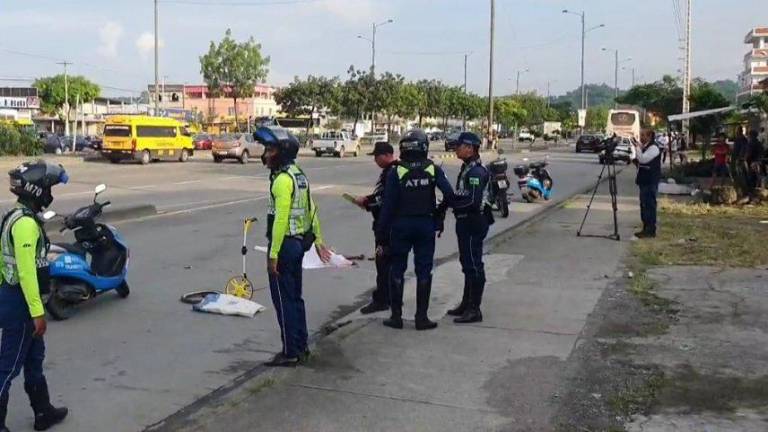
<point x="502" y="374"/>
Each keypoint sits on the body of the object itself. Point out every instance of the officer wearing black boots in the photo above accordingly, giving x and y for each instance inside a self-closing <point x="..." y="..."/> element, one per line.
<point x="24" y="271"/>
<point x="473" y="217"/>
<point x="408" y="219"/>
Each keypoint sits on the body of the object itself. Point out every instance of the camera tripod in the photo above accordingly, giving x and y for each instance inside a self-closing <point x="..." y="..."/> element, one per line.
<point x="610" y="167"/>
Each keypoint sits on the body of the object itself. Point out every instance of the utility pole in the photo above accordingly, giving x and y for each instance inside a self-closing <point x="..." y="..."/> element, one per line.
<point x="464" y="114"/>
<point x="633" y="77"/>
<point x="687" y="76"/>
<point x="616" y="78"/>
<point x="517" y="85"/>
<point x="157" y="61"/>
<point x="490" y="75"/>
<point x="548" y="94"/>
<point x="583" y="42"/>
<point x="66" y="97"/>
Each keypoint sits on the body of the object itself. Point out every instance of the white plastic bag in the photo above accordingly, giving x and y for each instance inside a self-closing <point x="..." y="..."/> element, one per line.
<point x="312" y="259"/>
<point x="226" y="304"/>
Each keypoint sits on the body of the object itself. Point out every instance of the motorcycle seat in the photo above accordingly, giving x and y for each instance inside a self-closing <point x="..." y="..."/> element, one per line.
<point x="73" y="248"/>
<point x="538" y="165"/>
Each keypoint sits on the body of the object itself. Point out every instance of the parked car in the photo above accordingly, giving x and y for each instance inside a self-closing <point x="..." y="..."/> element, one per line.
<point x="240" y="146"/>
<point x="337" y="143"/>
<point x="525" y="135"/>
<point x="437" y="136"/>
<point x="203" y="141"/>
<point x="58" y="144"/>
<point x="591" y="143"/>
<point x="95" y="142"/>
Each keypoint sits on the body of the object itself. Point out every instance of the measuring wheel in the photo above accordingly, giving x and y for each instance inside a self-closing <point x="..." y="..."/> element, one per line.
<point x="239" y="286"/>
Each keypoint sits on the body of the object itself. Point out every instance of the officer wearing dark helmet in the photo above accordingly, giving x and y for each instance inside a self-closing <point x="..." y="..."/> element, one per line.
<point x="408" y="218"/>
<point x="293" y="227"/>
<point x="24" y="271"/>
<point x="473" y="216"/>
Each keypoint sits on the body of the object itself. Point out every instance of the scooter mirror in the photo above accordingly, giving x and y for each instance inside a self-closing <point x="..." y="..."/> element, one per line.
<point x="100" y="188"/>
<point x="50" y="214"/>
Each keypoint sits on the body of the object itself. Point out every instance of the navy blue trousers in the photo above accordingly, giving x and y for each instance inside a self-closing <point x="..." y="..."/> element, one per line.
<point x="19" y="350"/>
<point x="417" y="233"/>
<point x="471" y="232"/>
<point x="648" y="195"/>
<point x="287" y="298"/>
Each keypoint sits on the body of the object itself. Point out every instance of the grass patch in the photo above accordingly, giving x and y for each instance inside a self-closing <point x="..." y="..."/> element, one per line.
<point x="697" y="392"/>
<point x="637" y="397"/>
<point x="700" y="234"/>
<point x="261" y="385"/>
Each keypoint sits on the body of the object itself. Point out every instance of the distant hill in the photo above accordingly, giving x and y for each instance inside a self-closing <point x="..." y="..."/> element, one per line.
<point x="598" y="95"/>
<point x="728" y="88"/>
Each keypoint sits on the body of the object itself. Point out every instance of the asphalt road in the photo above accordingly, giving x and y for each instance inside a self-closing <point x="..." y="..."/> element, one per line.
<point x="122" y="365"/>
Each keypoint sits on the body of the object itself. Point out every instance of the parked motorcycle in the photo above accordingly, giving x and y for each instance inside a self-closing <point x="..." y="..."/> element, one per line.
<point x="534" y="180"/>
<point x="96" y="263"/>
<point x="499" y="185"/>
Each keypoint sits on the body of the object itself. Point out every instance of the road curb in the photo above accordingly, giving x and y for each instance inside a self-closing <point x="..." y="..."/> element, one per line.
<point x="114" y="215"/>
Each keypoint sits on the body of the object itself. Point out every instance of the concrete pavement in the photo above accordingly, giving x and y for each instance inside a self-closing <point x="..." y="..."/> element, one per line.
<point x="122" y="365"/>
<point x="499" y="375"/>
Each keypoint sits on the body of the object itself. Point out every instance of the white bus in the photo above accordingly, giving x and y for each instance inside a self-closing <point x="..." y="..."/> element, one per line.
<point x="623" y="123"/>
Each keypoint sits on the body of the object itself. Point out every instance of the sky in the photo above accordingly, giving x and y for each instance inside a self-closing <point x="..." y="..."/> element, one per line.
<point x="111" y="42"/>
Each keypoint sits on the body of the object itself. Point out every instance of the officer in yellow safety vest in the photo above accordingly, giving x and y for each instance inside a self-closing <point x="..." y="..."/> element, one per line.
<point x="293" y="227"/>
<point x="24" y="271"/>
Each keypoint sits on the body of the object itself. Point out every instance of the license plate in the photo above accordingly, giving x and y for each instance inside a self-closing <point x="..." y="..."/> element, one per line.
<point x="502" y="184"/>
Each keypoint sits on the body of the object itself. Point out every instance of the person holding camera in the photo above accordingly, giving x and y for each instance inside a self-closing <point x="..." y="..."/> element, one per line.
<point x="648" y="160"/>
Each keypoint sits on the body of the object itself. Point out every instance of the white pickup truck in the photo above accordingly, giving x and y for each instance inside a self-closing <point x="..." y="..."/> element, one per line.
<point x="336" y="143"/>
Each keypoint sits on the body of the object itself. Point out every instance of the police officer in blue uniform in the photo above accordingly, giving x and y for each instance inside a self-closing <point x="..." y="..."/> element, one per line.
<point x="473" y="216"/>
<point x="408" y="218"/>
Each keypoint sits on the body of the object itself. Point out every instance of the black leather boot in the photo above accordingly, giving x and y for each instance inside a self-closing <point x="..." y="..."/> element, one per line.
<point x="46" y="415"/>
<point x="395" y="321"/>
<point x="472" y="314"/>
<point x="3" y="411"/>
<point x="423" y="291"/>
<point x="461" y="307"/>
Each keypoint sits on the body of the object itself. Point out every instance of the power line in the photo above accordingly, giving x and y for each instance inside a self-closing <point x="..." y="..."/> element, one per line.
<point x="58" y="60"/>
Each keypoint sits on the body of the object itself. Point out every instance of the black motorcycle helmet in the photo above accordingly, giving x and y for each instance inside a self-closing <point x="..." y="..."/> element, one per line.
<point x="32" y="182"/>
<point x="414" y="144"/>
<point x="273" y="136"/>
<point x="469" y="138"/>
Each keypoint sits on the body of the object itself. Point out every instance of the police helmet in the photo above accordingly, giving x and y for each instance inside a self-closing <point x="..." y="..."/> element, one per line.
<point x="32" y="181"/>
<point x="469" y="138"/>
<point x="285" y="142"/>
<point x="414" y="142"/>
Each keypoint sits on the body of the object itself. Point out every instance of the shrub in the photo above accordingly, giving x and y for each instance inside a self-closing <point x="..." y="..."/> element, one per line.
<point x="19" y="142"/>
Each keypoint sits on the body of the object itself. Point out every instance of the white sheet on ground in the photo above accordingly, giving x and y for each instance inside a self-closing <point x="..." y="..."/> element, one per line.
<point x="225" y="304"/>
<point x="312" y="259"/>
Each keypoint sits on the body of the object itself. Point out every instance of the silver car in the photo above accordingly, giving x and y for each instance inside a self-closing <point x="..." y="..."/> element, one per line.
<point x="240" y="146"/>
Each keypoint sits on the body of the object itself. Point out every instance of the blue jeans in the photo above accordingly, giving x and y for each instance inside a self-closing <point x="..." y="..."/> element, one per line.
<point x="648" y="195"/>
<point x="287" y="298"/>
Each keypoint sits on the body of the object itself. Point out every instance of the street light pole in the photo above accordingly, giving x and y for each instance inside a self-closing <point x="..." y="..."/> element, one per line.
<point x="157" y="60"/>
<point x="517" y="85"/>
<point x="687" y="76"/>
<point x="490" y="73"/>
<point x="464" y="114"/>
<point x="584" y="31"/>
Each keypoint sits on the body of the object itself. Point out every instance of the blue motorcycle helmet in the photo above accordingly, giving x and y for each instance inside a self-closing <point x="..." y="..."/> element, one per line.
<point x="285" y="142"/>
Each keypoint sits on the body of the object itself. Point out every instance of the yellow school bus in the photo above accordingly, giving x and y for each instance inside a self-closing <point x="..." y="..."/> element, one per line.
<point x="146" y="139"/>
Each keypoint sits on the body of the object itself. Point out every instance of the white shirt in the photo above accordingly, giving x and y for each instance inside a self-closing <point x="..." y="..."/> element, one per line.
<point x="649" y="154"/>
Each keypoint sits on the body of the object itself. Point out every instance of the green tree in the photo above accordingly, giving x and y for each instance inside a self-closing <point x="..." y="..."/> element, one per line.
<point x="387" y="96"/>
<point x="705" y="96"/>
<point x="354" y="94"/>
<point x="663" y="97"/>
<point x="509" y="112"/>
<point x="51" y="92"/>
<point x="598" y="95"/>
<point x="234" y="68"/>
<point x="597" y="118"/>
<point x="310" y="96"/>
<point x="728" y="88"/>
<point x="433" y="101"/>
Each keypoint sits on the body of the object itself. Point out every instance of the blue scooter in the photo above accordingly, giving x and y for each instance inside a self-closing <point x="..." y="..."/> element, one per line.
<point x="534" y="180"/>
<point x="97" y="262"/>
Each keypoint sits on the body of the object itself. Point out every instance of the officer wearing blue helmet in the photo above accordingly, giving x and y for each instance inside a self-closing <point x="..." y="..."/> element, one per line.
<point x="408" y="219"/>
<point x="473" y="216"/>
<point x="293" y="227"/>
